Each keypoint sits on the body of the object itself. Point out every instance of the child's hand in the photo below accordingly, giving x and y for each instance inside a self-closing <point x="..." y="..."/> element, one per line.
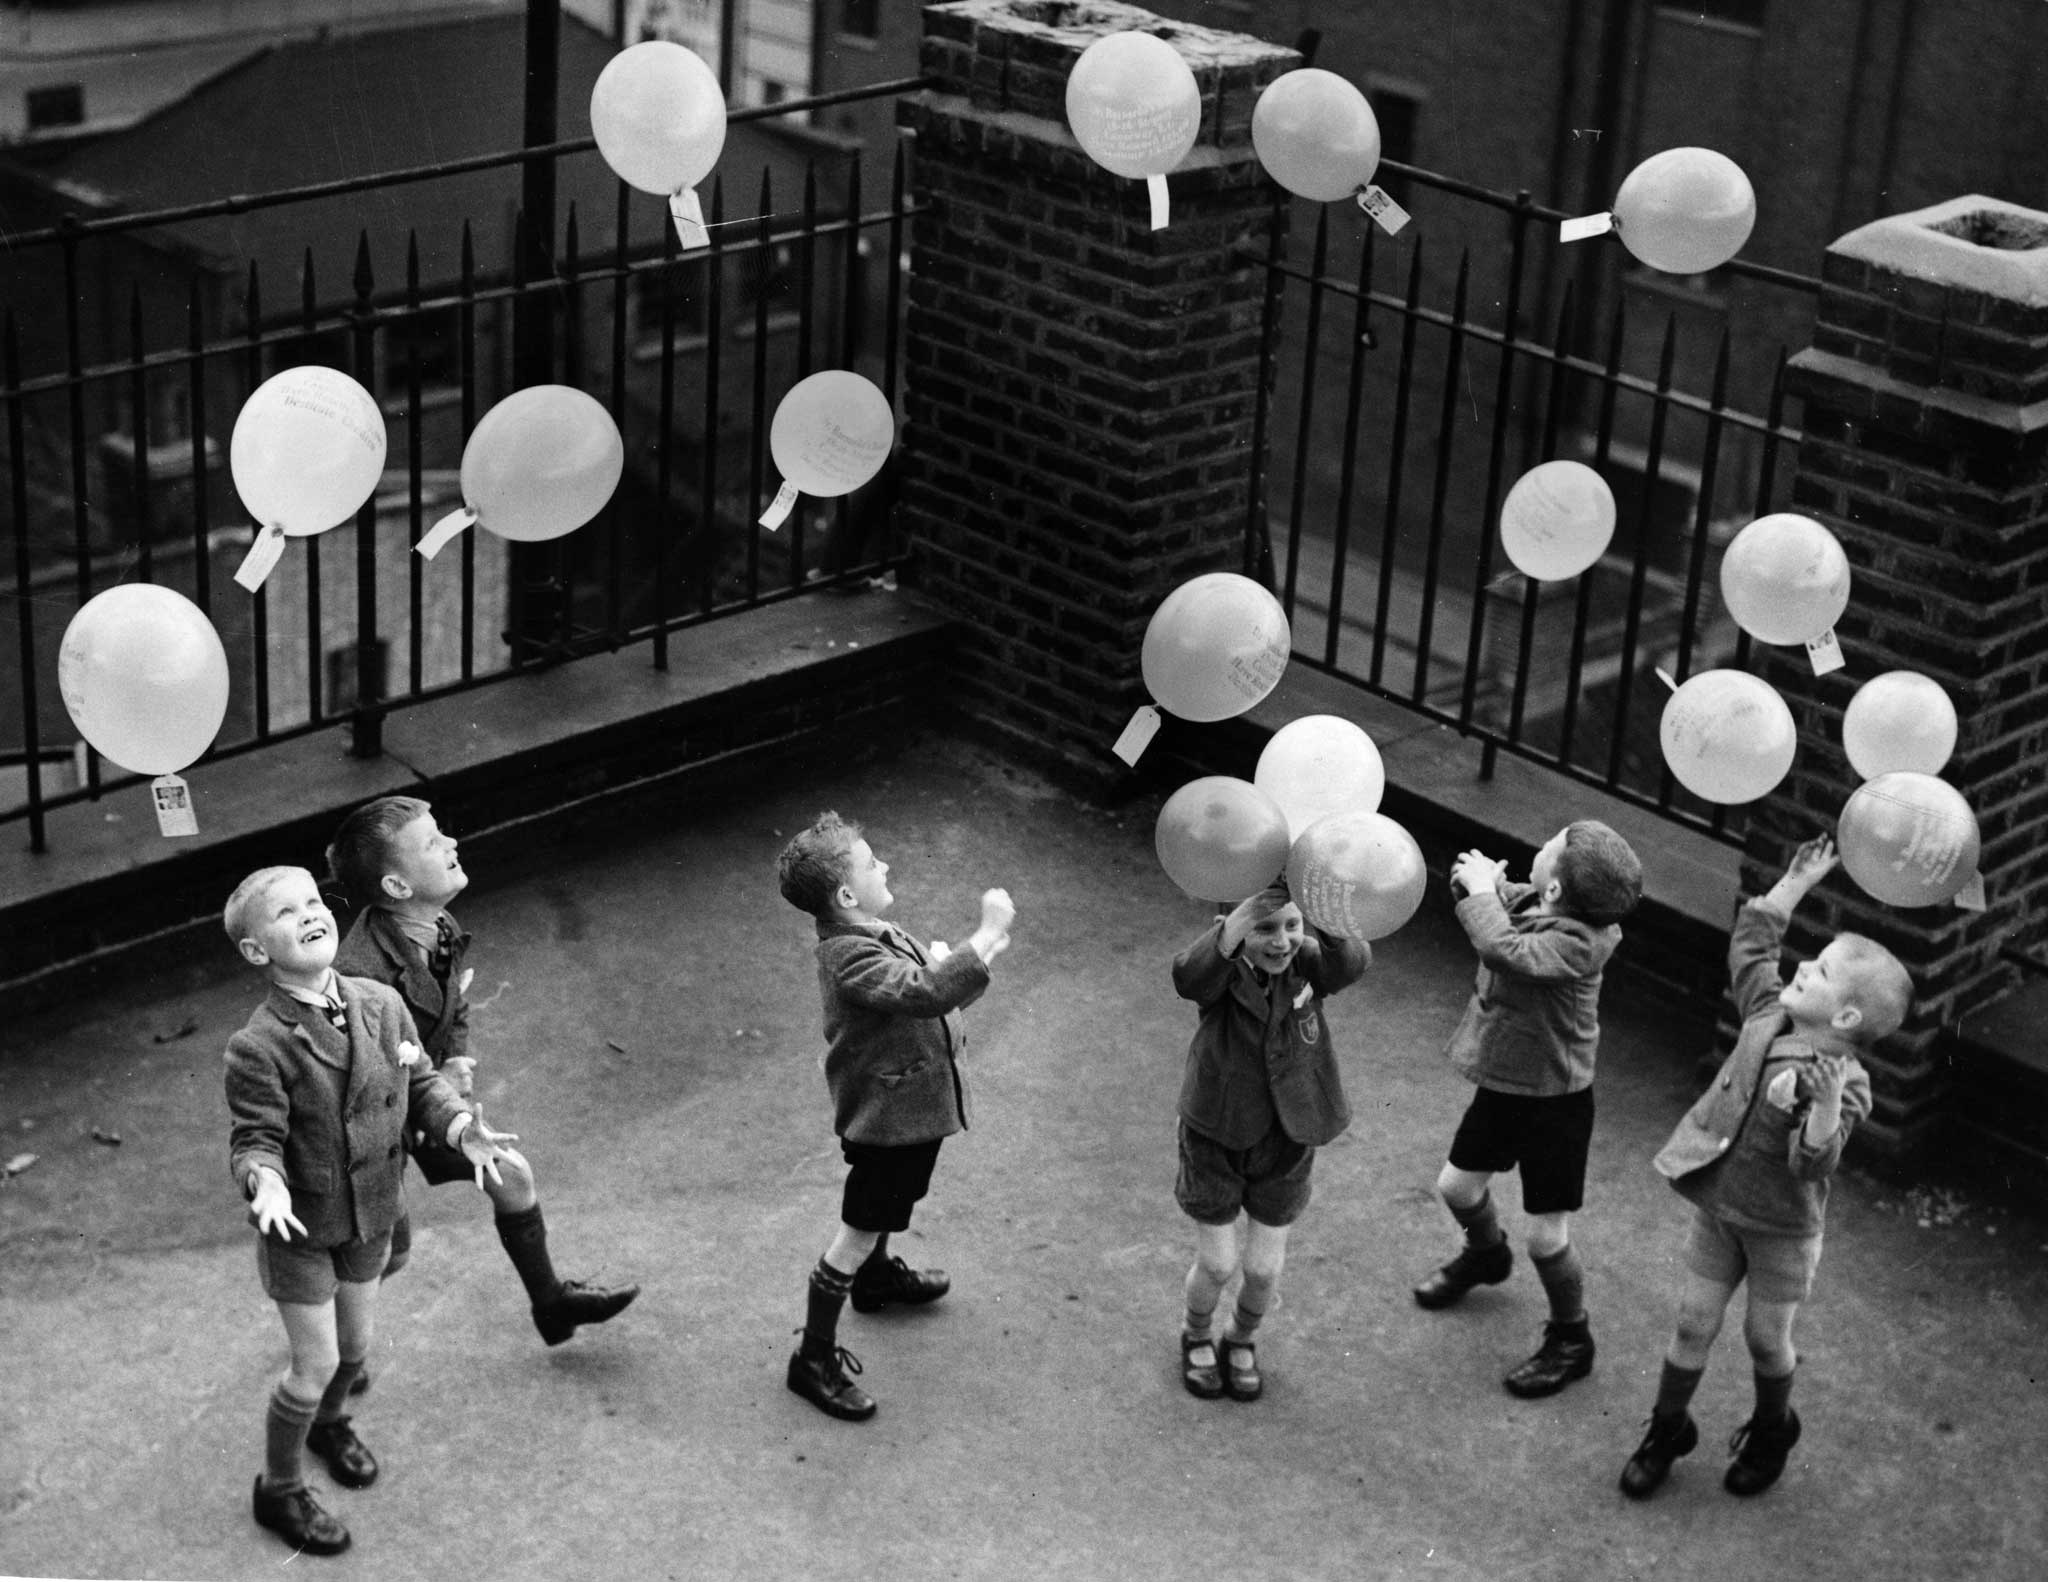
<point x="272" y="1205"/>
<point x="1827" y="1075"/>
<point x="1237" y="923"/>
<point x="1812" y="862"/>
<point x="938" y="950"/>
<point x="996" y="946"/>
<point x="460" y="1070"/>
<point x="479" y="1145"/>
<point x="1476" y="873"/>
<point x="997" y="911"/>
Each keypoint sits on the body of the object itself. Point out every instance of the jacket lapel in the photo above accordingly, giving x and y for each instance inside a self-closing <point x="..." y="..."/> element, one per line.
<point x="415" y="978"/>
<point x="310" y="1030"/>
<point x="363" y="1042"/>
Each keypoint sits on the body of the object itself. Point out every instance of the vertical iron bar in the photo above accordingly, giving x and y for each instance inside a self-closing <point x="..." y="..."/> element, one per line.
<point x="807" y="283"/>
<point x="665" y="507"/>
<point x="1553" y="420"/>
<point x="415" y="565"/>
<point x="1653" y="466"/>
<point x="892" y="324"/>
<point x="1446" y="434"/>
<point x="366" y="725"/>
<point x="24" y="595"/>
<point x="138" y="462"/>
<point x="315" y="676"/>
<point x="614" y="516"/>
<point x="466" y="352"/>
<point x="764" y="258"/>
<point x="562" y="554"/>
<point x="202" y="550"/>
<point x="708" y="535"/>
<point x="841" y="553"/>
<point x="1397" y="457"/>
<point x="74" y="389"/>
<point x="1582" y="613"/>
<point x="259" y="614"/>
<point x="1347" y="470"/>
<point x="1304" y="434"/>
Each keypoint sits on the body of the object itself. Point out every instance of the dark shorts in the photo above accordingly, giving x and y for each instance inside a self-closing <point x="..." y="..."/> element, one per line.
<point x="884" y="1183"/>
<point x="294" y="1272"/>
<point x="1548" y="1138"/>
<point x="439" y="1164"/>
<point x="1268" y="1180"/>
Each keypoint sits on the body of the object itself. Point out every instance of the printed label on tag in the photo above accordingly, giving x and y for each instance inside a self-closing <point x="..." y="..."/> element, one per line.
<point x="1388" y="215"/>
<point x="1825" y="652"/>
<point x="174" y="812"/>
<point x="1155" y="189"/>
<point x="1587" y="225"/>
<point x="443" y="532"/>
<point x="1971" y="896"/>
<point x="779" y="507"/>
<point x="1137" y="735"/>
<point x="262" y="558"/>
<point x="688" y="213"/>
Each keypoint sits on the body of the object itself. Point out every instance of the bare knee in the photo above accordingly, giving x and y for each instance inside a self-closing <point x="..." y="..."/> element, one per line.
<point x="313" y="1364"/>
<point x="515" y="1192"/>
<point x="1461" y="1188"/>
<point x="1698" y="1328"/>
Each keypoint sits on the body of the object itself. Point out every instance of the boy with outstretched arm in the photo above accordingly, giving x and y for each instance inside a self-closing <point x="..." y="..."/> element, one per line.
<point x="323" y="1085"/>
<point x="1528" y="1041"/>
<point x="893" y="1039"/>
<point x="401" y="871"/>
<point x="1754" y="1157"/>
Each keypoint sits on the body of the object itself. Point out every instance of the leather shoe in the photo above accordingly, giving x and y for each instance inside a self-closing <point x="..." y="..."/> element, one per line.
<point x="822" y="1380"/>
<point x="1473" y="1266"/>
<point x="348" y="1458"/>
<point x="1203" y="1379"/>
<point x="894" y="1281"/>
<point x="1760" y="1451"/>
<point x="1663" y="1444"/>
<point x="576" y="1303"/>
<point x="1241" y="1380"/>
<point x="300" y="1520"/>
<point x="1566" y="1354"/>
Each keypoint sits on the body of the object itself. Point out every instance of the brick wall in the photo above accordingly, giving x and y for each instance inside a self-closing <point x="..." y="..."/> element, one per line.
<point x="1080" y="390"/>
<point x="1926" y="452"/>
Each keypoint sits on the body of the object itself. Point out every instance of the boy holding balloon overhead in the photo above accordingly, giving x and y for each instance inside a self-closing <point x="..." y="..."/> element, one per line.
<point x="1754" y="1156"/>
<point x="1261" y="1092"/>
<point x="1528" y="1041"/>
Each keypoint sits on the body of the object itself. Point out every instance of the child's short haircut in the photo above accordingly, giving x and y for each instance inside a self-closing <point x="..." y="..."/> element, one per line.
<point x="360" y="854"/>
<point x="1599" y="876"/>
<point x="814" y="864"/>
<point x="234" y="916"/>
<point x="1879" y="987"/>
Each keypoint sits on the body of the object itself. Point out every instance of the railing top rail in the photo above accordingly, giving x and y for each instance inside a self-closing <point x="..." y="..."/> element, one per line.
<point x="72" y="228"/>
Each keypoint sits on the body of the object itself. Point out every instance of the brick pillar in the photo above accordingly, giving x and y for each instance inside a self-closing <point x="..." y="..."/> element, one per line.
<point x="1926" y="452"/>
<point x="1079" y="389"/>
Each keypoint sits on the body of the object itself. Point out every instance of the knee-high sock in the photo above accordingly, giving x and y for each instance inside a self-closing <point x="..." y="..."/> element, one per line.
<point x="334" y="1399"/>
<point x="525" y="1236"/>
<point x="1564" y="1282"/>
<point x="1773" y="1397"/>
<point x="823" y="1301"/>
<point x="1674" y="1391"/>
<point x="1254" y="1302"/>
<point x="284" y="1439"/>
<point x="1203" y="1292"/>
<point x="1479" y="1222"/>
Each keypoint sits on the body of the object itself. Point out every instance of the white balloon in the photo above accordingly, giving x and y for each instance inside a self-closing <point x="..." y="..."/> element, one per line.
<point x="307" y="450"/>
<point x="1727" y="736"/>
<point x="1318" y="765"/>
<point x="1557" y="520"/>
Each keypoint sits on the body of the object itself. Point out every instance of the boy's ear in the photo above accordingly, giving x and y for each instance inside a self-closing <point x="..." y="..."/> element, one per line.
<point x="396" y="888"/>
<point x="1553" y="892"/>
<point x="845" y="899"/>
<point x="253" y="953"/>
<point x="1847" y="1019"/>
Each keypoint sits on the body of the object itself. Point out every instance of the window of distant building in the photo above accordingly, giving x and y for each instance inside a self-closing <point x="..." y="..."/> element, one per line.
<point x="62" y="104"/>
<point x="1397" y="108"/>
<point x="1747" y="14"/>
<point x="860" y="18"/>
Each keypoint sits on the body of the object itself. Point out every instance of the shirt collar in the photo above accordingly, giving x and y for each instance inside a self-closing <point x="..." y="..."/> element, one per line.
<point x="326" y="998"/>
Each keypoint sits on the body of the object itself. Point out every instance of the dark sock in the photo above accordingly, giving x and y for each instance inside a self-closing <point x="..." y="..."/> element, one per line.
<point x="1244" y="1322"/>
<point x="284" y="1440"/>
<point x="525" y="1236"/>
<point x="1773" y="1397"/>
<point x="1564" y="1282"/>
<point x="1480" y="1224"/>
<point x="821" y="1309"/>
<point x="1674" y="1391"/>
<point x="334" y="1399"/>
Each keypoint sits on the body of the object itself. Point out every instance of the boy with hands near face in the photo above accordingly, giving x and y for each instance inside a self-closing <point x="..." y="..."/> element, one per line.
<point x="1754" y="1156"/>
<point x="323" y="1084"/>
<point x="893" y="1038"/>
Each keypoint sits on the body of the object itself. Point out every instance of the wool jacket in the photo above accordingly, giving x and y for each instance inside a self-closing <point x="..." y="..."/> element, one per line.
<point x="1532" y="1025"/>
<point x="376" y="947"/>
<point x="893" y="1033"/>
<point x="329" y="1111"/>
<point x="1261" y="1053"/>
<point x="1738" y="1155"/>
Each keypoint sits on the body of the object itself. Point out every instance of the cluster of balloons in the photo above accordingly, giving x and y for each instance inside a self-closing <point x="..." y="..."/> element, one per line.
<point x="1134" y="107"/>
<point x="658" y="115"/>
<point x="1908" y="838"/>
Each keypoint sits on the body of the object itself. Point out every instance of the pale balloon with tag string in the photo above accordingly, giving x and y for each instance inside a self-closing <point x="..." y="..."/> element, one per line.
<point x="1899" y="720"/>
<point x="1557" y="520"/>
<point x="144" y="677"/>
<point x="1135" y="108"/>
<point x="658" y="114"/>
<point x="306" y="452"/>
<point x="1216" y="645"/>
<point x="1317" y="765"/>
<point x="1685" y="211"/>
<point x="1785" y="579"/>
<point x="1316" y="135"/>
<point x="540" y="464"/>
<point x="1356" y="875"/>
<point x="1727" y="736"/>
<point x="1908" y="839"/>
<point x="831" y="433"/>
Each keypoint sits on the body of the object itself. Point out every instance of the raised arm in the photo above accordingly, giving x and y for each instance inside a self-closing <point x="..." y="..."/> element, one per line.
<point x="870" y="975"/>
<point x="1758" y="938"/>
<point x="1202" y="972"/>
<point x="1551" y="954"/>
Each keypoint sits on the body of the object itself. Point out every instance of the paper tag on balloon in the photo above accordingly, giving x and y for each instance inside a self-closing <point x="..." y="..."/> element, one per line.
<point x="1155" y="189"/>
<point x="262" y="558"/>
<point x="780" y="507"/>
<point x="1665" y="676"/>
<point x="1137" y="735"/>
<point x="688" y="214"/>
<point x="1825" y="652"/>
<point x="443" y="532"/>
<point x="1388" y="215"/>
<point x="1971" y="896"/>
<point x="173" y="799"/>
<point x="1587" y="225"/>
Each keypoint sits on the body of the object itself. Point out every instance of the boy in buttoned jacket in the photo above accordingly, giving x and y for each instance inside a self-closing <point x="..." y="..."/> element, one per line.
<point x="1259" y="1095"/>
<point x="1754" y="1156"/>
<point x="893" y="1039"/>
<point x="323" y="1084"/>
<point x="400" y="870"/>
<point x="1528" y="1043"/>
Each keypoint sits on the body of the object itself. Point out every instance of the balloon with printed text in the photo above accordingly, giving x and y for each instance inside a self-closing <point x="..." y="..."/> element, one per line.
<point x="658" y="115"/>
<point x="1133" y="104"/>
<point x="144" y="677"/>
<point x="1216" y="646"/>
<point x="1316" y="135"/>
<point x="1317" y="765"/>
<point x="1685" y="211"/>
<point x="1727" y="736"/>
<point x="307" y="450"/>
<point x="1557" y="520"/>
<point x="1899" y="720"/>
<point x="1785" y="579"/>
<point x="831" y="433"/>
<point x="1221" y="839"/>
<point x="1356" y="875"/>
<point x="1908" y="839"/>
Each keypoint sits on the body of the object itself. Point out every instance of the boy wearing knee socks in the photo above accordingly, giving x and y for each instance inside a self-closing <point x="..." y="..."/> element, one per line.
<point x="1528" y="1040"/>
<point x="1754" y="1157"/>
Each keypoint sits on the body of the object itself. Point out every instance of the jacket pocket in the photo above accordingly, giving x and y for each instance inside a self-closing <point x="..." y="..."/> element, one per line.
<point x="890" y="1079"/>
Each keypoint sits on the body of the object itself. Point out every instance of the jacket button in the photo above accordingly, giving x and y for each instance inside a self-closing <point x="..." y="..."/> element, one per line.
<point x="390" y="1100"/>
<point x="394" y="1150"/>
<point x="1727" y="1081"/>
<point x="1722" y="1144"/>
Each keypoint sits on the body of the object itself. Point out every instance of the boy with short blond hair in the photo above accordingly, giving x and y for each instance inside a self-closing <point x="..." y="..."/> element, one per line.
<point x="401" y="870"/>
<point x="1754" y="1156"/>
<point x="323" y="1084"/>
<point x="893" y="1039"/>
<point x="1528" y="1041"/>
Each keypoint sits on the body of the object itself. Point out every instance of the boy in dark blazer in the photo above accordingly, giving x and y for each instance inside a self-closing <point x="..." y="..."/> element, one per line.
<point x="1260" y="1094"/>
<point x="323" y="1085"/>
<point x="893" y="1039"/>
<point x="400" y="871"/>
